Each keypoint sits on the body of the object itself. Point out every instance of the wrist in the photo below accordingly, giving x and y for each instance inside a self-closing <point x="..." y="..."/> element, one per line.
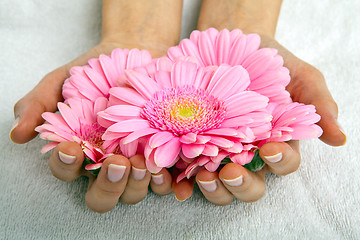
<point x="251" y="16"/>
<point x="145" y="23"/>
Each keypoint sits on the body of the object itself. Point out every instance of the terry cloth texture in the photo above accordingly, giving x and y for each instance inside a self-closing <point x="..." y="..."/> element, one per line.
<point x="319" y="201"/>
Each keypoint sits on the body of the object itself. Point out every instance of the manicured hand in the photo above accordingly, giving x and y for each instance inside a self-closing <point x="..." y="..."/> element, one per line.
<point x="120" y="178"/>
<point x="307" y="86"/>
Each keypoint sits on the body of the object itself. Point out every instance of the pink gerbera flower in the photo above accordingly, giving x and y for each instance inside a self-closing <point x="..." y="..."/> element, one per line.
<point x="186" y="113"/>
<point x="265" y="67"/>
<point x="77" y="122"/>
<point x="94" y="80"/>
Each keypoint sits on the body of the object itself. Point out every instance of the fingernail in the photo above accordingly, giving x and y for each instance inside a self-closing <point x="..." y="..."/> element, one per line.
<point x="15" y="124"/>
<point x="180" y="200"/>
<point x="115" y="172"/>
<point x="236" y="182"/>
<point x="67" y="159"/>
<point x="138" y="173"/>
<point x="158" y="179"/>
<point x="341" y="128"/>
<point x="274" y="158"/>
<point x="209" y="186"/>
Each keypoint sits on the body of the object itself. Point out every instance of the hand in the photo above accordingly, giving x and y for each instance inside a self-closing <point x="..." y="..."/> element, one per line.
<point x="307" y="86"/>
<point x="119" y="177"/>
<point x="102" y="194"/>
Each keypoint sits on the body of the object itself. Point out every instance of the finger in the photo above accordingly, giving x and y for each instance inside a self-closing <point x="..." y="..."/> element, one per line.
<point x="183" y="189"/>
<point x="332" y="132"/>
<point x="104" y="193"/>
<point x="212" y="188"/>
<point x="161" y="183"/>
<point x="282" y="158"/>
<point x="42" y="98"/>
<point x="242" y="183"/>
<point x="66" y="160"/>
<point x="309" y="87"/>
<point x="138" y="181"/>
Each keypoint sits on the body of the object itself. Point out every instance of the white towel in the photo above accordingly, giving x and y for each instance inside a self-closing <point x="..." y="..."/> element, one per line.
<point x="319" y="201"/>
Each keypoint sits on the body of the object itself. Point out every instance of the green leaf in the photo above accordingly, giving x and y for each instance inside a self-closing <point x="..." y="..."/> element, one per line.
<point x="90" y="166"/>
<point x="256" y="163"/>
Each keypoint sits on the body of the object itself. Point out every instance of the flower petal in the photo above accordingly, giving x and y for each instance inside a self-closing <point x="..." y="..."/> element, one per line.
<point x="192" y="150"/>
<point x="167" y="154"/>
<point x="129" y="125"/>
<point x="160" y="138"/>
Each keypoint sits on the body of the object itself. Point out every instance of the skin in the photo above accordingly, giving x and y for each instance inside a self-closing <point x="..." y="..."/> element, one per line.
<point x="307" y="86"/>
<point x="151" y="25"/>
<point x="136" y="24"/>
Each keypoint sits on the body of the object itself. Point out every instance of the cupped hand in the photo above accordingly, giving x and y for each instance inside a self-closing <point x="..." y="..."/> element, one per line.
<point x="307" y="86"/>
<point x="119" y="178"/>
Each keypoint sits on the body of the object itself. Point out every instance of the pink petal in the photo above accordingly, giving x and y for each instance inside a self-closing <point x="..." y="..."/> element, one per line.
<point x="227" y="81"/>
<point x="237" y="121"/>
<point x="210" y="150"/>
<point x="219" y="157"/>
<point x="188" y="138"/>
<point x="56" y="120"/>
<point x="222" y="132"/>
<point x="221" y="142"/>
<point x="151" y="166"/>
<point x="206" y="49"/>
<point x="71" y="120"/>
<point x="212" y="166"/>
<point x="123" y="110"/>
<point x="183" y="73"/>
<point x="129" y="125"/>
<point x="160" y="138"/>
<point x="100" y="104"/>
<point x="167" y="154"/>
<point x="49" y="147"/>
<point x="192" y="150"/>
<point x="129" y="149"/>
<point x="138" y="58"/>
<point x="189" y="49"/>
<point x="138" y="134"/>
<point x="222" y="46"/>
<point x="244" y="102"/>
<point x="237" y="148"/>
<point x="146" y="86"/>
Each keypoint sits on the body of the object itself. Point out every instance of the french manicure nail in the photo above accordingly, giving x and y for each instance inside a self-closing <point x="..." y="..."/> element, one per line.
<point x="15" y="124"/>
<point x="274" y="158"/>
<point x="180" y="200"/>
<point x="137" y="173"/>
<point x="209" y="186"/>
<point x="158" y="179"/>
<point x="67" y="159"/>
<point x="115" y="172"/>
<point x="236" y="182"/>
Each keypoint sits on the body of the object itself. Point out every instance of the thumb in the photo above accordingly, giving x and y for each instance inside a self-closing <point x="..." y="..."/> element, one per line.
<point x="43" y="98"/>
<point x="333" y="133"/>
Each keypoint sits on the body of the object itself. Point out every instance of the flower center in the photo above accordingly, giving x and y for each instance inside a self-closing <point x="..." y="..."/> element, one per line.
<point x="92" y="134"/>
<point x="184" y="109"/>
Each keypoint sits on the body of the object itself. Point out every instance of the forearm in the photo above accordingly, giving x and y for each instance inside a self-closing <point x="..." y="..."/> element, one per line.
<point x="151" y="23"/>
<point x="259" y="16"/>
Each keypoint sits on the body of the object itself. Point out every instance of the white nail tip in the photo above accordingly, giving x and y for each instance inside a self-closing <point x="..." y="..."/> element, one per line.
<point x="209" y="186"/>
<point x="236" y="182"/>
<point x="274" y="158"/>
<point x="15" y="124"/>
<point x="137" y="173"/>
<point x="158" y="179"/>
<point x="115" y="172"/>
<point x="67" y="159"/>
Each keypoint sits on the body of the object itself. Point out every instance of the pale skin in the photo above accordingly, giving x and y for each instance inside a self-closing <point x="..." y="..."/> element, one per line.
<point x="155" y="26"/>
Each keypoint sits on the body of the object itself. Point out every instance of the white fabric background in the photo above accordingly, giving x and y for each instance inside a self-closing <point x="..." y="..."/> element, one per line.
<point x="319" y="201"/>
